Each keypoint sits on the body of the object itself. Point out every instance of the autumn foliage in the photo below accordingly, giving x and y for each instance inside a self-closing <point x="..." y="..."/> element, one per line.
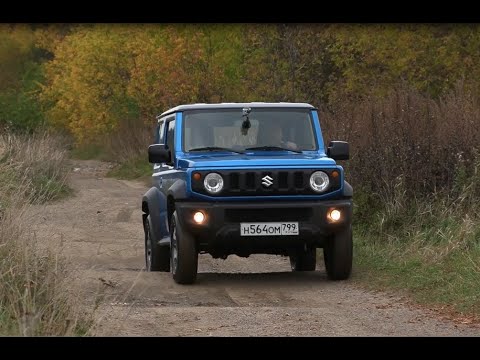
<point x="404" y="95"/>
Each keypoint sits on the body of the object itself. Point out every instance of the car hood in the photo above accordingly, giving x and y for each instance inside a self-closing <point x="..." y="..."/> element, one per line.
<point x="259" y="159"/>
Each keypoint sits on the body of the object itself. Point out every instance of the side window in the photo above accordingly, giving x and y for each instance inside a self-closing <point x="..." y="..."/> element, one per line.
<point x="161" y="133"/>
<point x="171" y="137"/>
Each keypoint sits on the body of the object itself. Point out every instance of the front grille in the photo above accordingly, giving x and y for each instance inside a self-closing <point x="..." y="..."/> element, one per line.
<point x="283" y="180"/>
<point x="234" y="181"/>
<point x="265" y="183"/>
<point x="250" y="181"/>
<point x="298" y="179"/>
<point x="266" y="215"/>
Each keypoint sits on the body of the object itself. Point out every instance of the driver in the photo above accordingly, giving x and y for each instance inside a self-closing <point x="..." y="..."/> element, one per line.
<point x="276" y="139"/>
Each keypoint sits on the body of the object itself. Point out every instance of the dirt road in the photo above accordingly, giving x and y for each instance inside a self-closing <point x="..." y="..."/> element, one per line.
<point x="102" y="234"/>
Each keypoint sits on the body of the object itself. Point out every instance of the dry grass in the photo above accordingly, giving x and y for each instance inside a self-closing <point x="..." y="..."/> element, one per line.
<point x="126" y="146"/>
<point x="36" y="296"/>
<point x="415" y="168"/>
<point x="129" y="140"/>
<point x="429" y="247"/>
<point x="408" y="135"/>
<point x="37" y="165"/>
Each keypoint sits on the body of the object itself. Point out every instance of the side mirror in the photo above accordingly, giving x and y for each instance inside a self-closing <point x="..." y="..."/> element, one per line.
<point x="158" y="153"/>
<point x="338" y="150"/>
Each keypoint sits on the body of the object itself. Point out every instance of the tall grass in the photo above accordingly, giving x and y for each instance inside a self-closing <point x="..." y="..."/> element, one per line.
<point x="415" y="168"/>
<point x="126" y="146"/>
<point x="428" y="247"/>
<point x="36" y="296"/>
<point x="409" y="135"/>
<point x="35" y="164"/>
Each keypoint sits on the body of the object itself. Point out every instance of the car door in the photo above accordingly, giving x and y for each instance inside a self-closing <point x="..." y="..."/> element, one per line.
<point x="162" y="137"/>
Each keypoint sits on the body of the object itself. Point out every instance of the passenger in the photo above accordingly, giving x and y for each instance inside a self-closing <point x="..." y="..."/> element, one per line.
<point x="275" y="138"/>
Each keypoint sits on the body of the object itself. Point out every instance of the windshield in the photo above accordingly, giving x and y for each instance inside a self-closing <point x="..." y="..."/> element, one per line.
<point x="250" y="128"/>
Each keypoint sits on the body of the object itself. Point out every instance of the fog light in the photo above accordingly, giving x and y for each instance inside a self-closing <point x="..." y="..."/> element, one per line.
<point x="199" y="217"/>
<point x="335" y="215"/>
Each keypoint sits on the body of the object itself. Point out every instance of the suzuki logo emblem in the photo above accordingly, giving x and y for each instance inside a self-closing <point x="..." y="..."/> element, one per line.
<point x="267" y="181"/>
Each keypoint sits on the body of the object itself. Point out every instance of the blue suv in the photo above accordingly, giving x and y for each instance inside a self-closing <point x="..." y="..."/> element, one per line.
<point x="246" y="178"/>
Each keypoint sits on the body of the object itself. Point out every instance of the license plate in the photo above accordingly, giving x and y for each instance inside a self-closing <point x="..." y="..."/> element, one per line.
<point x="269" y="229"/>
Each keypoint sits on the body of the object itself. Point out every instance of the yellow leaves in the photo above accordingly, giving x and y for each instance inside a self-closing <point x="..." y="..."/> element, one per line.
<point x="104" y="73"/>
<point x="162" y="75"/>
<point x="48" y="37"/>
<point x="379" y="56"/>
<point x="101" y="74"/>
<point x="15" y="48"/>
<point x="86" y="80"/>
<point x="21" y="34"/>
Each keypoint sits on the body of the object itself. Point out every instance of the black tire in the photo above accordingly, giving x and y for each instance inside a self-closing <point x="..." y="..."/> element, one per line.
<point x="338" y="255"/>
<point x="304" y="260"/>
<point x="157" y="258"/>
<point x="184" y="255"/>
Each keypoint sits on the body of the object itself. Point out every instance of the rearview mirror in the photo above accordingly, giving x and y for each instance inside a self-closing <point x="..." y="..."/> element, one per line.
<point x="158" y="153"/>
<point x="338" y="150"/>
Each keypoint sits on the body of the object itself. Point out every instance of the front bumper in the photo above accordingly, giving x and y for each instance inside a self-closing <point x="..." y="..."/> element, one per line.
<point x="220" y="232"/>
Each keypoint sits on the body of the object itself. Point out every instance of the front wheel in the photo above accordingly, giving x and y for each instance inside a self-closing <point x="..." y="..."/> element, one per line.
<point x="184" y="255"/>
<point x="338" y="255"/>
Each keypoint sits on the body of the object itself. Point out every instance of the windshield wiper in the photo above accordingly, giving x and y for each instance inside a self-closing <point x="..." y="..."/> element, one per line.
<point x="216" y="148"/>
<point x="271" y="148"/>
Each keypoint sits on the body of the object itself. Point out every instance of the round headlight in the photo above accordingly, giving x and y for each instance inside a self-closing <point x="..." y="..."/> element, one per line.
<point x="319" y="181"/>
<point x="213" y="183"/>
